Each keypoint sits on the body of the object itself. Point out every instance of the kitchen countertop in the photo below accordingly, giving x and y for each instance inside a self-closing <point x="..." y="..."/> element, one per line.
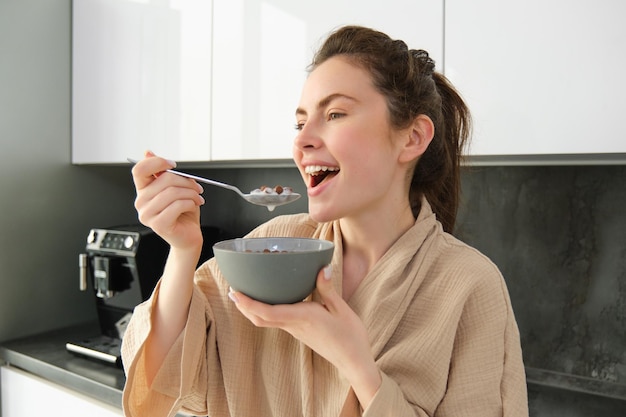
<point x="45" y="355"/>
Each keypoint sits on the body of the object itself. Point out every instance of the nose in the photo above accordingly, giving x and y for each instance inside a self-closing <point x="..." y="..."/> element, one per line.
<point x="307" y="138"/>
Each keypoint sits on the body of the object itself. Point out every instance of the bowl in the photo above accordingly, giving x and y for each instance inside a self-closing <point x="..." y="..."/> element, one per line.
<point x="274" y="270"/>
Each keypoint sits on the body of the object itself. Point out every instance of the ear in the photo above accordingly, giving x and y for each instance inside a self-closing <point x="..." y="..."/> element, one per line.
<point x="418" y="137"/>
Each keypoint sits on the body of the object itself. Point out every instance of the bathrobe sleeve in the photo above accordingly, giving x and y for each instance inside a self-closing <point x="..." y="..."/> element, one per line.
<point x="183" y="378"/>
<point x="487" y="376"/>
<point x="191" y="377"/>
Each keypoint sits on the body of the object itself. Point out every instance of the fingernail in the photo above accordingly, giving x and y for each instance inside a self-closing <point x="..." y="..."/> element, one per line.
<point x="202" y="201"/>
<point x="172" y="163"/>
<point x="328" y="271"/>
<point x="233" y="297"/>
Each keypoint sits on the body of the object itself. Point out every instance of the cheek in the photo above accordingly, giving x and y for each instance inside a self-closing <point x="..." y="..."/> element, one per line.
<point x="374" y="165"/>
<point x="297" y="158"/>
<point x="297" y="154"/>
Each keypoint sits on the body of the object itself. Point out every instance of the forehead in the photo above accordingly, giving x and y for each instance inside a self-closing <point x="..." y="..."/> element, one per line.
<point x="337" y="75"/>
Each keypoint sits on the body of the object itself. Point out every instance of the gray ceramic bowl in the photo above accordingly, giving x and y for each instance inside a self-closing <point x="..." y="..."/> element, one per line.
<point x="275" y="270"/>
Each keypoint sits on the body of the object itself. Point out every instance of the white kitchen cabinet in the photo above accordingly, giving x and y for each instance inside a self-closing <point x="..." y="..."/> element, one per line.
<point x="196" y="80"/>
<point x="141" y="79"/>
<point x="262" y="48"/>
<point x="541" y="77"/>
<point x="25" y="395"/>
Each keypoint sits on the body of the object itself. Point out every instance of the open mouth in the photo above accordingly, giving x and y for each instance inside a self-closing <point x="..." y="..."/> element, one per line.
<point x="320" y="173"/>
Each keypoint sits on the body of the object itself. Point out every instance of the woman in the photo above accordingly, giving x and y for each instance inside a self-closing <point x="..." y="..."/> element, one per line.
<point x="406" y="321"/>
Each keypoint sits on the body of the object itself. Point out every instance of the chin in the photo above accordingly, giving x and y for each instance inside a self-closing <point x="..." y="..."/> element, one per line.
<point x="322" y="214"/>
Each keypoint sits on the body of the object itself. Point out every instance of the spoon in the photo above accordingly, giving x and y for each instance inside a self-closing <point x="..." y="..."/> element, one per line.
<point x="271" y="201"/>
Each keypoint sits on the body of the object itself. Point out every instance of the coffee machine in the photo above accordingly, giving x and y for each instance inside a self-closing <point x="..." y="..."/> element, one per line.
<point x="121" y="266"/>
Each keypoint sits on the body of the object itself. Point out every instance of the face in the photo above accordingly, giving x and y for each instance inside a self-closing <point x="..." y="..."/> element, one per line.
<point x="345" y="149"/>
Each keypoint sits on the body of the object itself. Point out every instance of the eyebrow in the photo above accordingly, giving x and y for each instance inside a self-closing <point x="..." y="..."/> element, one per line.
<point x="325" y="102"/>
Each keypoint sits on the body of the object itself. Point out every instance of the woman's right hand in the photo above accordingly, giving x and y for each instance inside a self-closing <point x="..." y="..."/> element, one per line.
<point x="167" y="203"/>
<point x="170" y="205"/>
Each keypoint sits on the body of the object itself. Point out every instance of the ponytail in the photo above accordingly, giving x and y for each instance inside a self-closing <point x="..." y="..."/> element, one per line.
<point x="437" y="175"/>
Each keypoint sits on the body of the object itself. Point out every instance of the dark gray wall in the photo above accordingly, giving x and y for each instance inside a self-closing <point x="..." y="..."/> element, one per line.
<point x="559" y="236"/>
<point x="46" y="205"/>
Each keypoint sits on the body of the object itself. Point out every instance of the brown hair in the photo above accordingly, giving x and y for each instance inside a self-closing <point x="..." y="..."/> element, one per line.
<point x="406" y="77"/>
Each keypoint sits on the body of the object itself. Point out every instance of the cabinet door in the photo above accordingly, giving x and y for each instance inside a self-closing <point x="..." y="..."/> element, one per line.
<point x="262" y="48"/>
<point x="141" y="79"/>
<point x="541" y="77"/>
<point x="24" y="395"/>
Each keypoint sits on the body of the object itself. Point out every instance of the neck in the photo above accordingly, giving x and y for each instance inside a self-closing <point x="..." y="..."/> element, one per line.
<point x="368" y="237"/>
<point x="365" y="240"/>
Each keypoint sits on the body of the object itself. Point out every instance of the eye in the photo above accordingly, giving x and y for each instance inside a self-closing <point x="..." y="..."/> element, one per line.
<point x="299" y="125"/>
<point x="335" y="116"/>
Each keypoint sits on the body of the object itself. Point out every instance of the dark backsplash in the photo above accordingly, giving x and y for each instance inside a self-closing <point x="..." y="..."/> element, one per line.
<point x="559" y="236"/>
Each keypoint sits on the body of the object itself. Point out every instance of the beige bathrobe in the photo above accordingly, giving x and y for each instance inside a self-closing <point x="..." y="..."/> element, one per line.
<point x="439" y="319"/>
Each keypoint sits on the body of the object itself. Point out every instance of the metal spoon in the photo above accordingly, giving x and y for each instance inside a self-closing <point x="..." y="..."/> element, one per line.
<point x="271" y="201"/>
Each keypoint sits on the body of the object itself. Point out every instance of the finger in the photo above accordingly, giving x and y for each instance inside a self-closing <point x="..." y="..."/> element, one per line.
<point x="266" y="315"/>
<point x="325" y="289"/>
<point x="146" y="170"/>
<point x="173" y="200"/>
<point x="172" y="184"/>
<point x="247" y="306"/>
<point x="168" y="220"/>
<point x="163" y="191"/>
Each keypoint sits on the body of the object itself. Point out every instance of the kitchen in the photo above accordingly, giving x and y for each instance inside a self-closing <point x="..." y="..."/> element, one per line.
<point x="555" y="228"/>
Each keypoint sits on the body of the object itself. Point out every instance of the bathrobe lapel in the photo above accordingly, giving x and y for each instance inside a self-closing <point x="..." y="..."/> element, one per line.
<point x="388" y="289"/>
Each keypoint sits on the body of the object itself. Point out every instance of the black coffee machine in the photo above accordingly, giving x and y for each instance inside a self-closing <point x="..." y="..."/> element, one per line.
<point x="122" y="265"/>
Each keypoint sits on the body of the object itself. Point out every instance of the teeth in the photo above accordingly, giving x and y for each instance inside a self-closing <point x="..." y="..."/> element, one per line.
<point x="318" y="169"/>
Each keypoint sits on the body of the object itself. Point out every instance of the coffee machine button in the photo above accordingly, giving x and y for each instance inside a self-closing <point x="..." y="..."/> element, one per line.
<point x="93" y="235"/>
<point x="128" y="242"/>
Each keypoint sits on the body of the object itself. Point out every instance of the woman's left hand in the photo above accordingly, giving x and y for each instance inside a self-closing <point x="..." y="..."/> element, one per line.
<point x="329" y="327"/>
